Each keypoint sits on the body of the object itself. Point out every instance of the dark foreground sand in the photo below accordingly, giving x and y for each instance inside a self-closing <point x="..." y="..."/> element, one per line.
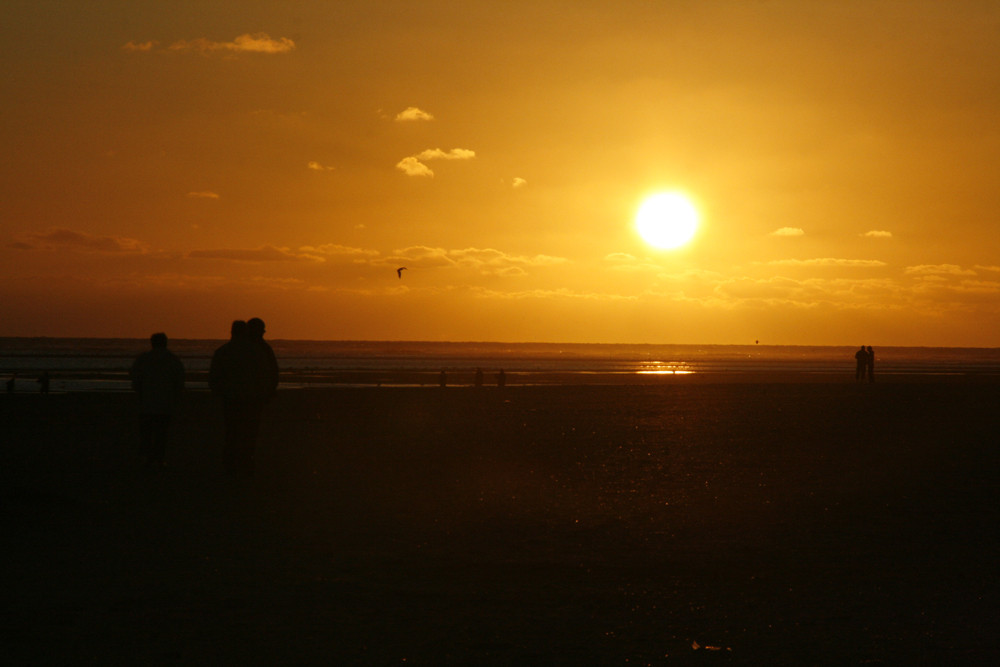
<point x="753" y="523"/>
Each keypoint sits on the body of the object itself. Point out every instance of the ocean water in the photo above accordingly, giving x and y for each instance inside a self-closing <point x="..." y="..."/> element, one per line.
<point x="77" y="364"/>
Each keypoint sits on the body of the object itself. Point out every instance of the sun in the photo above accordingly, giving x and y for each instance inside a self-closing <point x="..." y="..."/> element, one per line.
<point x="666" y="220"/>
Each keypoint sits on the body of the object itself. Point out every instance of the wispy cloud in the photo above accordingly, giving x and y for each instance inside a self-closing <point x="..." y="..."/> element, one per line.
<point x="60" y="238"/>
<point x="518" y="182"/>
<point x="788" y="231"/>
<point x="267" y="253"/>
<point x="828" y="261"/>
<point x="139" y="46"/>
<point x="259" y="42"/>
<point x="412" y="166"/>
<point x="411" y="114"/>
<point x="878" y="234"/>
<point x="938" y="270"/>
<point x="316" y="166"/>
<point x="335" y="249"/>
<point x="487" y="261"/>
<point x="203" y="194"/>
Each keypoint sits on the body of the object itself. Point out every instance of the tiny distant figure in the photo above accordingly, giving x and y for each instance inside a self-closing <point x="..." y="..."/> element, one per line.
<point x="399" y="271"/>
<point x="11" y="383"/>
<point x="158" y="378"/>
<point x="501" y="379"/>
<point x="43" y="383"/>
<point x="861" y="364"/>
<point x="479" y="377"/>
<point x="443" y="379"/>
<point x="871" y="364"/>
<point x="244" y="374"/>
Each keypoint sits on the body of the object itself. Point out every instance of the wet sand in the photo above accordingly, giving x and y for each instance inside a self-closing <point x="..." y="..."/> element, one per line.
<point x="748" y="522"/>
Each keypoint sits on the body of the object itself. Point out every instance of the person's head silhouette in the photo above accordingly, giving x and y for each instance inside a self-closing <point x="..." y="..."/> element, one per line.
<point x="255" y="328"/>
<point x="238" y="330"/>
<point x="158" y="340"/>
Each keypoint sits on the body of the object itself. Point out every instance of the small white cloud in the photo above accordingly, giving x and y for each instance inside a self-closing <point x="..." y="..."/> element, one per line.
<point x="316" y="166"/>
<point x="518" y="182"/>
<point x="413" y="113"/>
<point x="411" y="166"/>
<point x="878" y="234"/>
<point x="205" y="194"/>
<point x="788" y="231"/>
<point x="453" y="154"/>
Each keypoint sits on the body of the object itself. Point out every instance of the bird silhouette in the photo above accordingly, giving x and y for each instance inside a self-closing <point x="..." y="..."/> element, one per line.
<point x="399" y="271"/>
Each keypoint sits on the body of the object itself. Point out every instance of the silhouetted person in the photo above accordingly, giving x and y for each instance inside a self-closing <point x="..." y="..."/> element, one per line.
<point x="244" y="374"/>
<point x="43" y="383"/>
<point x="501" y="379"/>
<point x="443" y="379"/>
<point x="11" y="383"/>
<point x="861" y="359"/>
<point x="479" y="377"/>
<point x="871" y="364"/>
<point x="158" y="377"/>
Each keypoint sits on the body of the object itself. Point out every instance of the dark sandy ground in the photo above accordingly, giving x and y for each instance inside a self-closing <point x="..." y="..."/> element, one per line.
<point x="688" y="523"/>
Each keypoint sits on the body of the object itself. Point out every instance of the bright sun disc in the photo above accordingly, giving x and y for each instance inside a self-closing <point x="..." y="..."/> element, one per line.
<point x="667" y="220"/>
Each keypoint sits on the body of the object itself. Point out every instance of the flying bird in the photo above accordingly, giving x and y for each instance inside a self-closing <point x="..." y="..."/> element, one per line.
<point x="399" y="271"/>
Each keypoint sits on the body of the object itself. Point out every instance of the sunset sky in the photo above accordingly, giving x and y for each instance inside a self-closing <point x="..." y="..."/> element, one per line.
<point x="175" y="165"/>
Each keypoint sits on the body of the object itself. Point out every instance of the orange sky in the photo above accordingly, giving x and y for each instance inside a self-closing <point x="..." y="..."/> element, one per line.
<point x="173" y="166"/>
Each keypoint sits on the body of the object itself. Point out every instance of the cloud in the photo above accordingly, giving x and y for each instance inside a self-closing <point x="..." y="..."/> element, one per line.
<point x="335" y="249"/>
<point x="518" y="182"/>
<point x="561" y="293"/>
<point x="413" y="113"/>
<point x="139" y="46"/>
<point x="259" y="42"/>
<point x="788" y="231"/>
<point x="60" y="238"/>
<point x="878" y="234"/>
<point x="453" y="154"/>
<point x="267" y="253"/>
<point x="938" y="270"/>
<point x="205" y="194"/>
<point x="828" y="261"/>
<point x="316" y="166"/>
<point x="411" y="166"/>
<point x="487" y="261"/>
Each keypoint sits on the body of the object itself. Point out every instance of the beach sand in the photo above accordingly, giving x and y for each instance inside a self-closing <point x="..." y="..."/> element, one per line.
<point x="752" y="522"/>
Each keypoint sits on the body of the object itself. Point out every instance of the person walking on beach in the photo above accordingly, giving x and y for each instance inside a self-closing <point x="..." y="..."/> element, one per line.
<point x="861" y="359"/>
<point x="158" y="378"/>
<point x="870" y="355"/>
<point x="244" y="374"/>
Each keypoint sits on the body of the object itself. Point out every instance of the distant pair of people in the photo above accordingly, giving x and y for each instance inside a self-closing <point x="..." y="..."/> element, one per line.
<point x="865" y="364"/>
<point x="244" y="374"/>
<point x="158" y="378"/>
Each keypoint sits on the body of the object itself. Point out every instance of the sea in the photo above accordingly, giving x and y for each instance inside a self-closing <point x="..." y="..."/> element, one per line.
<point x="102" y="364"/>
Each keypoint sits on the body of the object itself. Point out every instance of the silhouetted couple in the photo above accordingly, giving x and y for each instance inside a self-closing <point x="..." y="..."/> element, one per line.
<point x="865" y="364"/>
<point x="158" y="378"/>
<point x="244" y="374"/>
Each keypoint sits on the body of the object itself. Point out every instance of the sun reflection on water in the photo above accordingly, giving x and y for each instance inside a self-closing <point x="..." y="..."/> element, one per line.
<point x="664" y="368"/>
